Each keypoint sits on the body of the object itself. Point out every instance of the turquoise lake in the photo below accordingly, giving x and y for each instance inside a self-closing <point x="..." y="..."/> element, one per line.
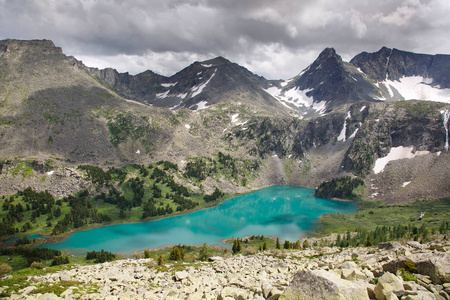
<point x="285" y="211"/>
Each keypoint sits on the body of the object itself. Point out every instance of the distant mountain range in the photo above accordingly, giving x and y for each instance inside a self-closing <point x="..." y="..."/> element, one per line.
<point x="329" y="82"/>
<point x="333" y="119"/>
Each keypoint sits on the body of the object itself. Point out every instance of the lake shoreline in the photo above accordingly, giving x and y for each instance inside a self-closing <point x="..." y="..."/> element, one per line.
<point x="50" y="240"/>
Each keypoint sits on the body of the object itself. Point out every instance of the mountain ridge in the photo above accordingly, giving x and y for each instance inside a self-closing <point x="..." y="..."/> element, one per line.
<point x="53" y="108"/>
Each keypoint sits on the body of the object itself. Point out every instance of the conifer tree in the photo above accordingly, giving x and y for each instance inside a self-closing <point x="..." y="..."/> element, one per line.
<point x="368" y="241"/>
<point x="204" y="252"/>
<point x="278" y="244"/>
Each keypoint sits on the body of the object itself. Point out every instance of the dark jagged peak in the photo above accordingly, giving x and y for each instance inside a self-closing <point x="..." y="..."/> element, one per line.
<point x="327" y="65"/>
<point x="373" y="64"/>
<point x="327" y="83"/>
<point x="329" y="53"/>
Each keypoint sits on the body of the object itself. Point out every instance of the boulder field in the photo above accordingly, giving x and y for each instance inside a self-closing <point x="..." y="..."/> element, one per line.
<point x="392" y="270"/>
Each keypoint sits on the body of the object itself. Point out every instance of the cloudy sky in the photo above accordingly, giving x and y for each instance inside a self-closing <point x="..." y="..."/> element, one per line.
<point x="272" y="38"/>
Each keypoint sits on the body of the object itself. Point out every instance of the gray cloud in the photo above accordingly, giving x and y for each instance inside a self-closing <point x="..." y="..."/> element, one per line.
<point x="276" y="38"/>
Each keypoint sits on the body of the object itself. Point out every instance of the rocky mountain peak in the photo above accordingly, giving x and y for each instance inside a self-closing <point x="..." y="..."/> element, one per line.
<point x="214" y="62"/>
<point x="328" y="53"/>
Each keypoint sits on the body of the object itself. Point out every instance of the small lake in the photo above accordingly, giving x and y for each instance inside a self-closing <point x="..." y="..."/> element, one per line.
<point x="288" y="212"/>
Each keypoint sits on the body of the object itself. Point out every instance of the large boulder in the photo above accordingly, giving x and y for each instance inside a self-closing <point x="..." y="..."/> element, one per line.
<point x="321" y="284"/>
<point x="437" y="266"/>
<point x="387" y="286"/>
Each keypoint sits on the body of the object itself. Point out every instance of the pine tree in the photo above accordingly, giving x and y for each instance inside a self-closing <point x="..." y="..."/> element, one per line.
<point x="147" y="253"/>
<point x="264" y="247"/>
<point x="234" y="248"/>
<point x="368" y="242"/>
<point x="160" y="260"/>
<point x="204" y="252"/>
<point x="176" y="254"/>
<point x="338" y="240"/>
<point x="278" y="244"/>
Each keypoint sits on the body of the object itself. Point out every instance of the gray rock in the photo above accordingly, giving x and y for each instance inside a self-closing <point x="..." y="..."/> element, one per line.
<point x="64" y="277"/>
<point x="180" y="275"/>
<point x="215" y="258"/>
<point x="390" y="245"/>
<point x="414" y="244"/>
<point x="421" y="295"/>
<point x="266" y="289"/>
<point x="388" y="284"/>
<point x="320" y="284"/>
<point x="28" y="289"/>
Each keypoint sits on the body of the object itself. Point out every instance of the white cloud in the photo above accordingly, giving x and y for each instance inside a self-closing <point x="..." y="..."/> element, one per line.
<point x="273" y="38"/>
<point x="400" y="17"/>
<point x="358" y="24"/>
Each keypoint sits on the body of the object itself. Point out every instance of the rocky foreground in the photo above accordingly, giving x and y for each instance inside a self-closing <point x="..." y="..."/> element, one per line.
<point x="320" y="273"/>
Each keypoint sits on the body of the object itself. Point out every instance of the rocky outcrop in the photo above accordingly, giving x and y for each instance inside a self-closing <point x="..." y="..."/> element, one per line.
<point x="320" y="273"/>
<point x="321" y="284"/>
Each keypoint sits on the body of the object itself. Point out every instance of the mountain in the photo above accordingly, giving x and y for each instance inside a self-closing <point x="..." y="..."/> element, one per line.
<point x="196" y="87"/>
<point x="386" y="75"/>
<point x="326" y="84"/>
<point x="329" y="121"/>
<point x="402" y="75"/>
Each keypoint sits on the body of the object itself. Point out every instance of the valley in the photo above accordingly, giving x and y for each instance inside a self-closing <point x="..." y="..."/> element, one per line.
<point x="82" y="147"/>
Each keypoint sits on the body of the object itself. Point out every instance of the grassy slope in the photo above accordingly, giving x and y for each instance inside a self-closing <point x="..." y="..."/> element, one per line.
<point x="373" y="214"/>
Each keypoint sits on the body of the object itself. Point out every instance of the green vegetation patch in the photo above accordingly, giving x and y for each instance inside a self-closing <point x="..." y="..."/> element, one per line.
<point x="342" y="188"/>
<point x="383" y="222"/>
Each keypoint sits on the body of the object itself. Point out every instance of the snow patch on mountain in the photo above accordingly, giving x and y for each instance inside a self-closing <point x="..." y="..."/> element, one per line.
<point x="235" y="120"/>
<point x="341" y="136"/>
<point x="198" y="89"/>
<point x="415" y="88"/>
<point x="396" y="153"/>
<point x="167" y="85"/>
<point x="201" y="105"/>
<point x="163" y="95"/>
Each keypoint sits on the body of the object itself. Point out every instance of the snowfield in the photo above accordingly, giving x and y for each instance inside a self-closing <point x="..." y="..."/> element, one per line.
<point x="416" y="88"/>
<point x="396" y="153"/>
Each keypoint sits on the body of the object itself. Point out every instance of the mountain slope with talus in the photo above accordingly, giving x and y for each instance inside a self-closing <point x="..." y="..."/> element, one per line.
<point x="329" y="121"/>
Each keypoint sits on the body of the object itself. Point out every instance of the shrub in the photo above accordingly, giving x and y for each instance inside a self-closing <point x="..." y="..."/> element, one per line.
<point x="100" y="256"/>
<point x="410" y="266"/>
<point x="176" y="254"/>
<point x="407" y="276"/>
<point x="36" y="265"/>
<point x="305" y="244"/>
<point x="147" y="253"/>
<point x="250" y="250"/>
<point x="5" y="269"/>
<point x="60" y="260"/>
